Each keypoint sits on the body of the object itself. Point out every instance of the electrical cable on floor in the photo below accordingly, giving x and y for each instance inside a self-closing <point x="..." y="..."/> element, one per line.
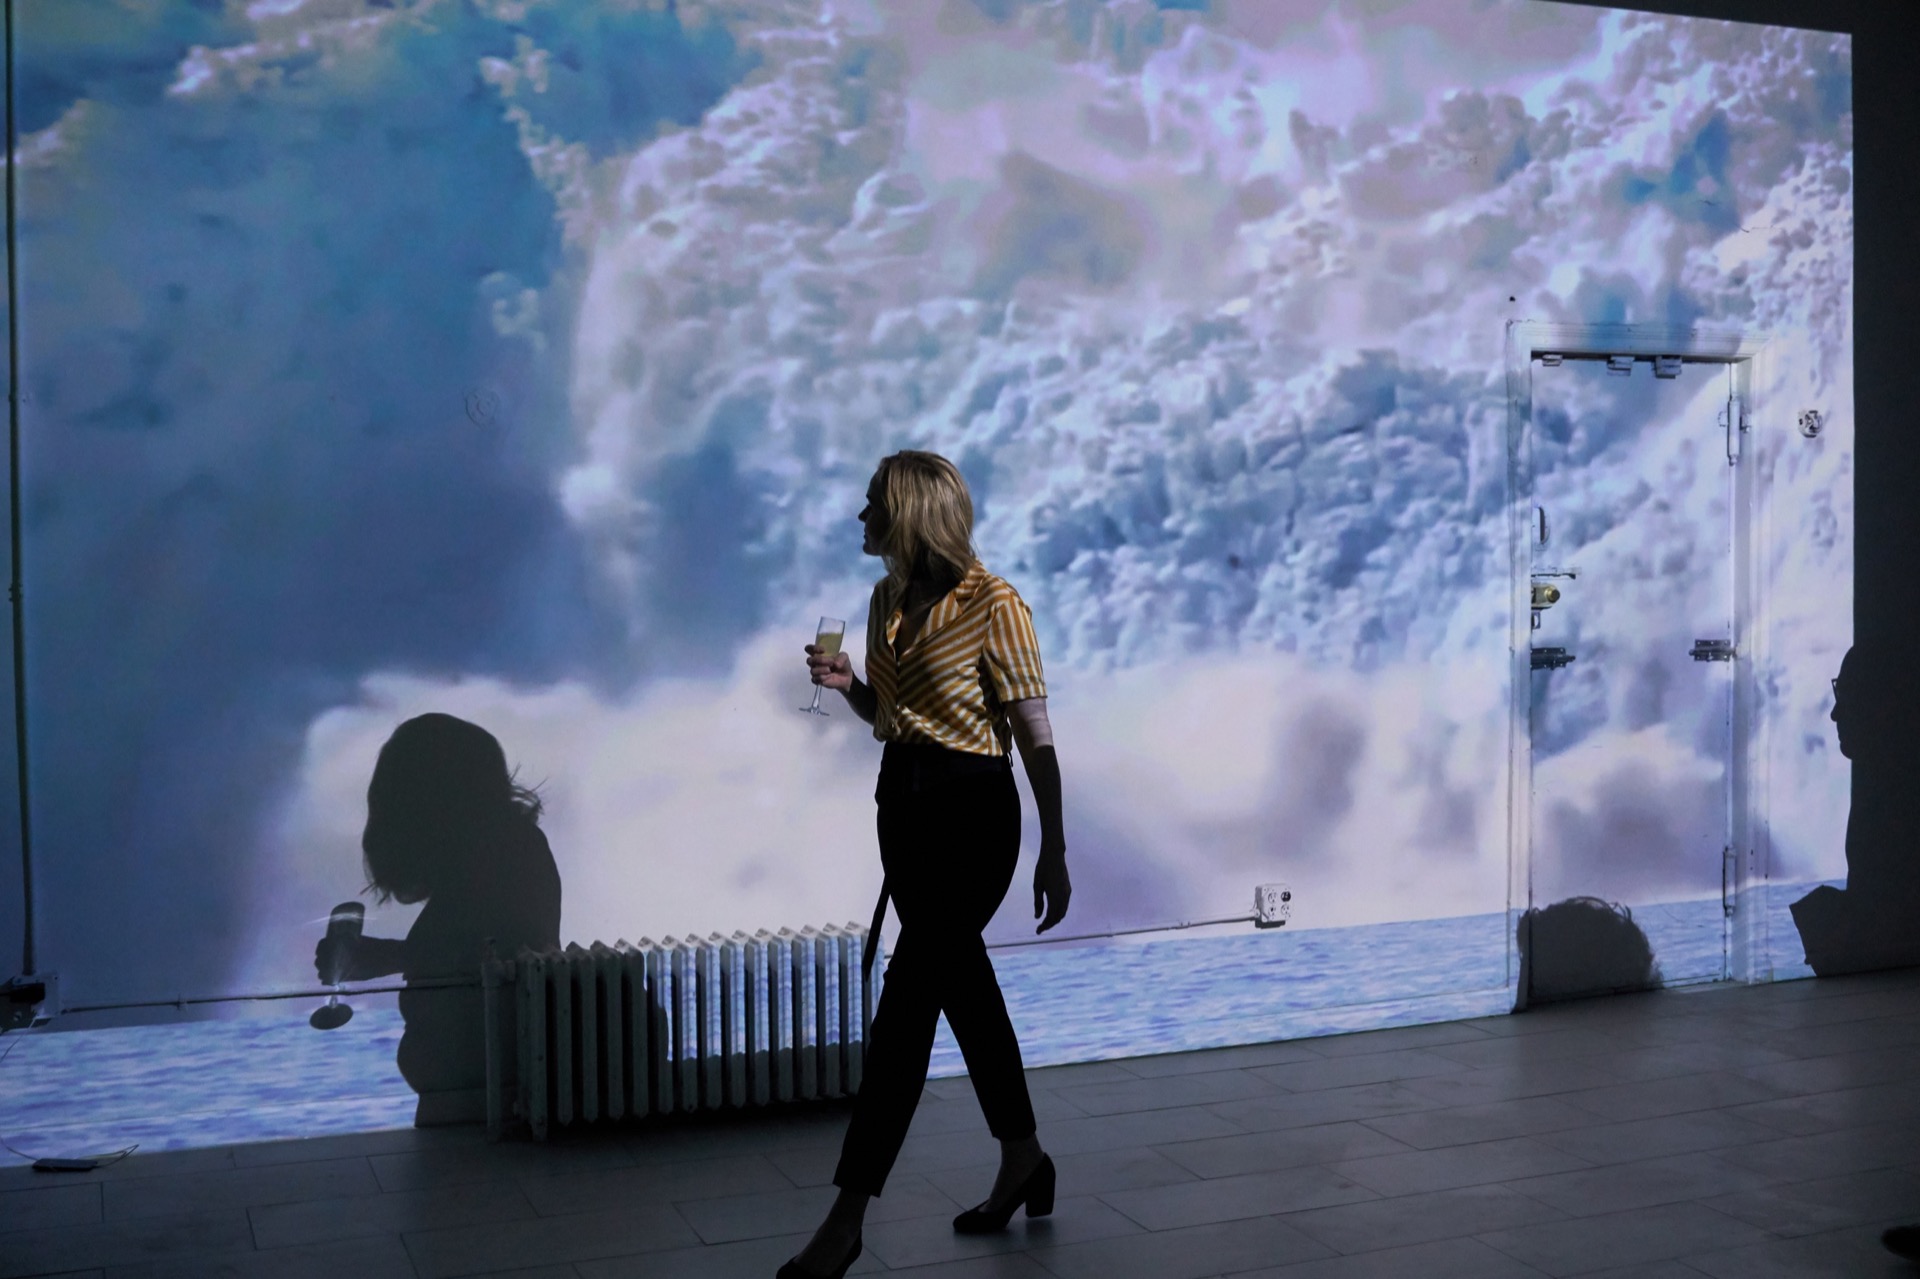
<point x="64" y="1163"/>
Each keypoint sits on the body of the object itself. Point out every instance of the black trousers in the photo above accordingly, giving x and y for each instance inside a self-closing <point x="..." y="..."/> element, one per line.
<point x="949" y="840"/>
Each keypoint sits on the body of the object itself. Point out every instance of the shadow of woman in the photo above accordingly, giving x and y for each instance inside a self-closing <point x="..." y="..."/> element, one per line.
<point x="447" y="825"/>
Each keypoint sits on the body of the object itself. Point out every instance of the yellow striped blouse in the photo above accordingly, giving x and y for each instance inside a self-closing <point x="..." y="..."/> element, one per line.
<point x="975" y="653"/>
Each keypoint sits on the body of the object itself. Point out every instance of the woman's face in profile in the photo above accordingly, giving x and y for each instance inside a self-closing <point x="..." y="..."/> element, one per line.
<point x="874" y="517"/>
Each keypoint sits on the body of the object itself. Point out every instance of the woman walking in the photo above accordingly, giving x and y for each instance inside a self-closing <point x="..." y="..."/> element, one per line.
<point x="953" y="680"/>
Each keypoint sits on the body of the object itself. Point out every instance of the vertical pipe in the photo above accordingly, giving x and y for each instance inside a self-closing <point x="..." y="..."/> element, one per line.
<point x="29" y="960"/>
<point x="490" y="988"/>
<point x="535" y="1081"/>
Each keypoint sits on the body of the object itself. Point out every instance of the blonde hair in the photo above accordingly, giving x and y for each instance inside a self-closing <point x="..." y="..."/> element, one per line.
<point x="929" y="517"/>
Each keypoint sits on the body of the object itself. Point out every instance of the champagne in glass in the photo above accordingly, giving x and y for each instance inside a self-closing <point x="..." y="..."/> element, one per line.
<point x="826" y="638"/>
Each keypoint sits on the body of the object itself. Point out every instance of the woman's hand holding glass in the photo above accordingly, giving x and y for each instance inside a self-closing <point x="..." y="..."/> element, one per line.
<point x="826" y="644"/>
<point x="829" y="670"/>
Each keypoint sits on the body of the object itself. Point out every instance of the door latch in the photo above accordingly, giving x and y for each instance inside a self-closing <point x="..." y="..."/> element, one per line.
<point x="1549" y="659"/>
<point x="1711" y="650"/>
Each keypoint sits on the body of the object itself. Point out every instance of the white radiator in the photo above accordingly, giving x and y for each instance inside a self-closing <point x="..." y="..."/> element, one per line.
<point x="600" y="1033"/>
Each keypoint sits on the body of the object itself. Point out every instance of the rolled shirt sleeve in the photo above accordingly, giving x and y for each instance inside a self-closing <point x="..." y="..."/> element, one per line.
<point x="1012" y="652"/>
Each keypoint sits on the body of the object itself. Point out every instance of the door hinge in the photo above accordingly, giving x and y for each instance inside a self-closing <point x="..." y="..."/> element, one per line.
<point x="1712" y="650"/>
<point x="1735" y="420"/>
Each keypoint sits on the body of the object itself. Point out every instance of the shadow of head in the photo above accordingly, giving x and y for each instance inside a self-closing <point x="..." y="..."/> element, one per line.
<point x="1582" y="946"/>
<point x="442" y="798"/>
<point x="1874" y="697"/>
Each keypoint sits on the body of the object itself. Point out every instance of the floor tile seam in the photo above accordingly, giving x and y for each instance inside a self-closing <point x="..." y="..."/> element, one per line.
<point x="1102" y="1199"/>
<point x="99" y="1198"/>
<point x="1755" y="1139"/>
<point x="252" y="1176"/>
<point x="1427" y="1048"/>
<point x="1564" y="1214"/>
<point x="1485" y="1238"/>
<point x="1729" y="1218"/>
<point x="1525" y="1270"/>
<point x="253" y="1228"/>
<point x="1241" y="1129"/>
<point x="408" y="1240"/>
<point x="663" y="1169"/>
<point x="194" y="1217"/>
<point x="1388" y="1198"/>
<point x="1907" y="1169"/>
<point x="1787" y="1134"/>
<point x="1596" y="1162"/>
<point x="1876" y="1050"/>
<point x="1158" y="1107"/>
<point x="1429" y="1190"/>
<point x="526" y="1201"/>
<point x="1370" y="1121"/>
<point x="1066" y="1090"/>
<point x="1413" y="1243"/>
<point x="1663" y="1203"/>
<point x="1467" y="1145"/>
<point x="186" y="1254"/>
<point x="1572" y="1099"/>
<point x="1859" y="1128"/>
<point x="130" y="1171"/>
<point x="1893" y="1162"/>
<point x="1874" y="1226"/>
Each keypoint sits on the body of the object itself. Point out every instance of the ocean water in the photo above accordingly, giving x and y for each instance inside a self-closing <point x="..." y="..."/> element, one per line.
<point x="264" y="1074"/>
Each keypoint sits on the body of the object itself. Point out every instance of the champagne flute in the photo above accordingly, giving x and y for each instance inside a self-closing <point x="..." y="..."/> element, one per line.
<point x="343" y="929"/>
<point x="826" y="637"/>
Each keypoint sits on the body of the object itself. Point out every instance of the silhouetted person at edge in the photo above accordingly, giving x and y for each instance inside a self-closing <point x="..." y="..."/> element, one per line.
<point x="1582" y="946"/>
<point x="1875" y="922"/>
<point x="447" y="825"/>
<point x="955" y="678"/>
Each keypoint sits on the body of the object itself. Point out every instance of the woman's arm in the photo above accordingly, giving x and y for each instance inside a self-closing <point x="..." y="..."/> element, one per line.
<point x="1033" y="733"/>
<point x="836" y="673"/>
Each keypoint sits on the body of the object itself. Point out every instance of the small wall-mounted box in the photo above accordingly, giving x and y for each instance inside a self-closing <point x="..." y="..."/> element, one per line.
<point x="29" y="1001"/>
<point x="1272" y="905"/>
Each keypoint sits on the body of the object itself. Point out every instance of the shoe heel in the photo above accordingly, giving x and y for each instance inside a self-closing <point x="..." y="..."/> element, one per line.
<point x="1040" y="1198"/>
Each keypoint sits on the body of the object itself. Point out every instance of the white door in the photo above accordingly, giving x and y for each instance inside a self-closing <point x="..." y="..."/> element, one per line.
<point x="1630" y="716"/>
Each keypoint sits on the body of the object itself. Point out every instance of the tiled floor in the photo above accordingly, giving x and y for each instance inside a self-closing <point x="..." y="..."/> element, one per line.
<point x="1737" y="1132"/>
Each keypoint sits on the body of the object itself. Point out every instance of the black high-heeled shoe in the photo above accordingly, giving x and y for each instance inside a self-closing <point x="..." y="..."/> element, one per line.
<point x="1036" y="1192"/>
<point x="792" y="1269"/>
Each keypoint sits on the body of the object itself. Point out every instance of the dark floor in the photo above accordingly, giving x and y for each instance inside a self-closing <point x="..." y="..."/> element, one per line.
<point x="1735" y="1132"/>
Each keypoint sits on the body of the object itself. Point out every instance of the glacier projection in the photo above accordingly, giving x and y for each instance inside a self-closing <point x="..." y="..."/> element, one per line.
<point x="527" y="361"/>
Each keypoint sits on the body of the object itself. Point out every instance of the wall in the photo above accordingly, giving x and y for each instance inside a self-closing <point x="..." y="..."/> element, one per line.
<point x="535" y="376"/>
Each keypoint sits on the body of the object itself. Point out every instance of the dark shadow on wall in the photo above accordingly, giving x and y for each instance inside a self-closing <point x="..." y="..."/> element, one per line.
<point x="1872" y="922"/>
<point x="240" y="498"/>
<point x="447" y="825"/>
<point x="1579" y="947"/>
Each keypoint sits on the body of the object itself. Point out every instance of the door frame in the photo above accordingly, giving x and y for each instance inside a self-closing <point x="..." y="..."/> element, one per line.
<point x="1745" y="871"/>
